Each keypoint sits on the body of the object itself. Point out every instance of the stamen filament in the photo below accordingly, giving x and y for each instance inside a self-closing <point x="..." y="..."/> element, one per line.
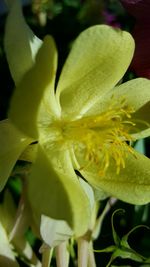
<point x="103" y="137"/>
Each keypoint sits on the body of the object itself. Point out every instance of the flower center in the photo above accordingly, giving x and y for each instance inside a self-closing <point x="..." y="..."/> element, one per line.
<point x="102" y="137"/>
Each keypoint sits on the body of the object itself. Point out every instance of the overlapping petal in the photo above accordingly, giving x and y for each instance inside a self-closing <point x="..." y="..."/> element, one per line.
<point x="21" y="44"/>
<point x="54" y="232"/>
<point x="131" y="185"/>
<point x="98" y="60"/>
<point x="34" y="97"/>
<point x="142" y="120"/>
<point x="12" y="144"/>
<point x="54" y="190"/>
<point x="136" y="94"/>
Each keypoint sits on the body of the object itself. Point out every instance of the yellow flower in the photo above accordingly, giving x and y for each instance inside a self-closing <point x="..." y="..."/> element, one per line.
<point x="86" y="125"/>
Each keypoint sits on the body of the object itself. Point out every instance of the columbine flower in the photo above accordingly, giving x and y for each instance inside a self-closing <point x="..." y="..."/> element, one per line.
<point x="141" y="34"/>
<point x="86" y="125"/>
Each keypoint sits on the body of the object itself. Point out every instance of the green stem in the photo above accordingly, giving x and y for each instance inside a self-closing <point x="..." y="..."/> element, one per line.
<point x="46" y="257"/>
<point x="83" y="252"/>
<point x="62" y="255"/>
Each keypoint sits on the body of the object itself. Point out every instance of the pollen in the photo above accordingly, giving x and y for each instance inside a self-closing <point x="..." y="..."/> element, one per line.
<point x="103" y="137"/>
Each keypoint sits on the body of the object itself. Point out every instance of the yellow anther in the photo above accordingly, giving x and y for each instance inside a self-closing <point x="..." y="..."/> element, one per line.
<point x="102" y="137"/>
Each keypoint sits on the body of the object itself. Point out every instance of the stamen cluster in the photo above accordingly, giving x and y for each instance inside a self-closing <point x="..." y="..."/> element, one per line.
<point x="103" y="137"/>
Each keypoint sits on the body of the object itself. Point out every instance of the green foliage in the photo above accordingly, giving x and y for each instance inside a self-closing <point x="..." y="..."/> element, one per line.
<point x="121" y="247"/>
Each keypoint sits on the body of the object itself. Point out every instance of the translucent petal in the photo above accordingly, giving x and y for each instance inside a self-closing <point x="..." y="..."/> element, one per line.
<point x="131" y="185"/>
<point x="54" y="232"/>
<point x="89" y="191"/>
<point x="142" y="120"/>
<point x="12" y="144"/>
<point x="21" y="45"/>
<point x="34" y="99"/>
<point x="140" y="146"/>
<point x="97" y="61"/>
<point x="55" y="191"/>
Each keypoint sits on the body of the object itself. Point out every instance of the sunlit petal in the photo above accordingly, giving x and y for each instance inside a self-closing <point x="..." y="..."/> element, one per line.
<point x="136" y="94"/>
<point x="98" y="60"/>
<point x="21" y="44"/>
<point x="34" y="97"/>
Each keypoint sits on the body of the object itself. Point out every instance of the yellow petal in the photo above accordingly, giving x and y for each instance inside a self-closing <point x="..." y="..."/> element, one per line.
<point x="55" y="191"/>
<point x="142" y="120"/>
<point x="29" y="154"/>
<point x="21" y="45"/>
<point x="131" y="185"/>
<point x="98" y="60"/>
<point x="12" y="144"/>
<point x="136" y="94"/>
<point x="34" y="98"/>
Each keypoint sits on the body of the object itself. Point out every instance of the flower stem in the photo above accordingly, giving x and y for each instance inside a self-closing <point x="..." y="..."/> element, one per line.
<point x="62" y="255"/>
<point x="91" y="259"/>
<point x="46" y="257"/>
<point x="83" y="252"/>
